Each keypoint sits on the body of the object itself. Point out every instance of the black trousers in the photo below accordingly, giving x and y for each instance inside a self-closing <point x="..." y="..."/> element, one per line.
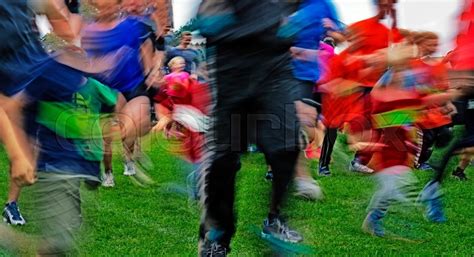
<point x="254" y="98"/>
<point x="328" y="146"/>
<point x="439" y="137"/>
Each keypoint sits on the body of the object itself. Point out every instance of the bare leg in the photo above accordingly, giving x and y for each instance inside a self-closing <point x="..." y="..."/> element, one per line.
<point x="135" y="118"/>
<point x="13" y="192"/>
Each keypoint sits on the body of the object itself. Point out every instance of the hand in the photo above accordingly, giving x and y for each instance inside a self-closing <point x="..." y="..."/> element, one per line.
<point x="303" y="54"/>
<point x="162" y="124"/>
<point x="329" y="24"/>
<point x="449" y="109"/>
<point x="306" y="114"/>
<point x="155" y="79"/>
<point x="22" y="171"/>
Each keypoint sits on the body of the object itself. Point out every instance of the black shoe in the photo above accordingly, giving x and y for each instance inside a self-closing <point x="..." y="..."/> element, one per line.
<point x="209" y="248"/>
<point x="269" y="175"/>
<point x="324" y="171"/>
<point x="279" y="230"/>
<point x="459" y="174"/>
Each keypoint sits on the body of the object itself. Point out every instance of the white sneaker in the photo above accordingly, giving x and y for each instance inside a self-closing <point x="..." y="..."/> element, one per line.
<point x="357" y="167"/>
<point x="108" y="180"/>
<point x="130" y="169"/>
<point x="308" y="188"/>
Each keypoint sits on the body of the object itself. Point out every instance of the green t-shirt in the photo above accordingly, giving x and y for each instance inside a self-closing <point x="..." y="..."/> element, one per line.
<point x="79" y="119"/>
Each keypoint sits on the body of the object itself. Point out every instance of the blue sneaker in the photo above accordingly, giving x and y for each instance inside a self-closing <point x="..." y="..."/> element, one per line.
<point x="324" y="171"/>
<point x="373" y="223"/>
<point x="12" y="215"/>
<point x="434" y="210"/>
<point x="424" y="167"/>
<point x="431" y="196"/>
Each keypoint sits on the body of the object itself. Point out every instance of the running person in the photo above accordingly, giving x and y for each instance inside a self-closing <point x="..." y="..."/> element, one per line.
<point x="110" y="34"/>
<point x="250" y="52"/>
<point x="23" y="60"/>
<point x="463" y="65"/>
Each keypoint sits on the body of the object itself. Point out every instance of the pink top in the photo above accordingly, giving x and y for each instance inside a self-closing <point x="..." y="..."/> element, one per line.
<point x="177" y="76"/>
<point x="326" y="52"/>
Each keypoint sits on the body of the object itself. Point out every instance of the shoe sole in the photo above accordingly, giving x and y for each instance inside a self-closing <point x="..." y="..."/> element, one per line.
<point x="272" y="238"/>
<point x="306" y="196"/>
<point x="9" y="222"/>
<point x="361" y="172"/>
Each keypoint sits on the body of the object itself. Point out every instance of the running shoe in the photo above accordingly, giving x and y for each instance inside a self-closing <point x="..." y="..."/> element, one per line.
<point x="356" y="166"/>
<point x="209" y="248"/>
<point x="278" y="229"/>
<point x="12" y="215"/>
<point x="108" y="180"/>
<point x="130" y="169"/>
<point x="373" y="223"/>
<point x="324" y="171"/>
<point x="424" y="167"/>
<point x="269" y="175"/>
<point x="308" y="188"/>
<point x="459" y="174"/>
<point x="431" y="196"/>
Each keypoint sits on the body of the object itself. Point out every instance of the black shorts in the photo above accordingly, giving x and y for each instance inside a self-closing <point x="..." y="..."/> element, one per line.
<point x="140" y="90"/>
<point x="305" y="89"/>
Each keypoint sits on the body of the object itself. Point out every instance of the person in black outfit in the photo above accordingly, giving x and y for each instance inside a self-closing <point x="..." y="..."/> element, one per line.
<point x="251" y="75"/>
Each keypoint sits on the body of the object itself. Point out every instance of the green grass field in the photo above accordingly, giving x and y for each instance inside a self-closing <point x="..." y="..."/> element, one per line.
<point x="159" y="220"/>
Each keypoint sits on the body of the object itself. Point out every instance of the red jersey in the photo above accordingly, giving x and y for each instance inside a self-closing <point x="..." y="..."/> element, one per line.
<point x="432" y="79"/>
<point x="339" y="108"/>
<point x="354" y="107"/>
<point x="376" y="35"/>
<point x="393" y="111"/>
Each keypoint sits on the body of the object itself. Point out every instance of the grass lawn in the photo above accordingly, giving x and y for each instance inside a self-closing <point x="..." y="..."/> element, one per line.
<point x="159" y="220"/>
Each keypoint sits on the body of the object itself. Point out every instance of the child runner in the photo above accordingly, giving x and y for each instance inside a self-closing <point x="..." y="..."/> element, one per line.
<point x="179" y="92"/>
<point x="394" y="113"/>
<point x="353" y="73"/>
<point x="23" y="60"/>
<point x="432" y="74"/>
<point x="463" y="58"/>
<point x="71" y="150"/>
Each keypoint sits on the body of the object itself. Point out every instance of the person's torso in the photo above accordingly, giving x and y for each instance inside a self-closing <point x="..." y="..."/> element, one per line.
<point x="123" y="41"/>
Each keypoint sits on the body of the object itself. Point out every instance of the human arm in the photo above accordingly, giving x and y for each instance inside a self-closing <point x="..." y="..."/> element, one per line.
<point x="22" y="170"/>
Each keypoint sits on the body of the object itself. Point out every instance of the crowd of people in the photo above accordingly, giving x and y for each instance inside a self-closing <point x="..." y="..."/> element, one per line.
<point x="286" y="76"/>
